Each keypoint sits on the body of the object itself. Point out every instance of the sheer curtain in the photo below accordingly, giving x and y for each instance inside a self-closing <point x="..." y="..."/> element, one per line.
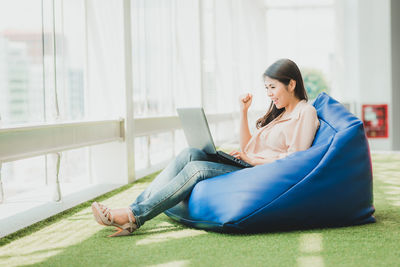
<point x="235" y="51"/>
<point x="176" y="43"/>
<point x="195" y="53"/>
<point x="166" y="70"/>
<point x="166" y="55"/>
<point x="303" y="31"/>
<point x="21" y="62"/>
<point x="67" y="58"/>
<point x="237" y="62"/>
<point x="105" y="77"/>
<point x="42" y="80"/>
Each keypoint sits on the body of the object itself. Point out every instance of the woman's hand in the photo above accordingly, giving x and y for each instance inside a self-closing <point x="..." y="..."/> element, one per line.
<point x="245" y="101"/>
<point x="241" y="155"/>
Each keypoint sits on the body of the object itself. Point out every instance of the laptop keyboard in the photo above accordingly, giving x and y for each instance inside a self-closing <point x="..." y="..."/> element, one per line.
<point x="235" y="160"/>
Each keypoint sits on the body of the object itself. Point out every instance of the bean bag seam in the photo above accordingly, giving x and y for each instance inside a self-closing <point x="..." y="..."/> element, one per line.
<point x="333" y="128"/>
<point x="194" y="221"/>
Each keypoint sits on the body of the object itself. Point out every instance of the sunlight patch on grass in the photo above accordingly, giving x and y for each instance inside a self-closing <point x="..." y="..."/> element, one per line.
<point x="164" y="224"/>
<point x="170" y="235"/>
<point x="392" y="181"/>
<point x="162" y="227"/>
<point x="172" y="264"/>
<point x="33" y="258"/>
<point x="55" y="238"/>
<point x="47" y="242"/>
<point x="395" y="198"/>
<point x="397" y="203"/>
<point x="308" y="261"/>
<point x="392" y="192"/>
<point x="392" y="188"/>
<point x="310" y="243"/>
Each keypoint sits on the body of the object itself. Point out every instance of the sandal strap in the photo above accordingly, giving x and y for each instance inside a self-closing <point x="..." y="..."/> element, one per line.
<point x="111" y="216"/>
<point x="107" y="211"/>
<point x="131" y="224"/>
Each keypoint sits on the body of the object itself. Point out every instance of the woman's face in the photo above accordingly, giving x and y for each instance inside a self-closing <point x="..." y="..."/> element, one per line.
<point x="280" y="94"/>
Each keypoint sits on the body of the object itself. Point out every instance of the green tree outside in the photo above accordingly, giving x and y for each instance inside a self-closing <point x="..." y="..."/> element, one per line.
<point x="315" y="82"/>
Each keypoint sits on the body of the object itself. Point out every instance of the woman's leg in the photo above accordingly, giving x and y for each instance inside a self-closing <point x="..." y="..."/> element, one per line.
<point x="173" y="168"/>
<point x="177" y="189"/>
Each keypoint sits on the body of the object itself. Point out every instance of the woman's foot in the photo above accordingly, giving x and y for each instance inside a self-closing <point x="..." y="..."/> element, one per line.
<point x="122" y="218"/>
<point x="120" y="215"/>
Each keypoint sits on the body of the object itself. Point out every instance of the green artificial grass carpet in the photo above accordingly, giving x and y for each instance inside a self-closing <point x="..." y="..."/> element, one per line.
<point x="75" y="239"/>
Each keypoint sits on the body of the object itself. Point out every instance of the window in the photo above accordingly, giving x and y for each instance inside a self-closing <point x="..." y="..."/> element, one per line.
<point x="166" y="58"/>
<point x="304" y="32"/>
<point x="42" y="82"/>
<point x="21" y="62"/>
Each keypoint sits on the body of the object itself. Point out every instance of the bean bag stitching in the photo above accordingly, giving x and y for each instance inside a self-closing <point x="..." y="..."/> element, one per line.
<point x="333" y="128"/>
<point x="192" y="221"/>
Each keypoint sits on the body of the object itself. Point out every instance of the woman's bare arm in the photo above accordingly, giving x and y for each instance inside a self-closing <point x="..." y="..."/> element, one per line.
<point x="245" y="102"/>
<point x="244" y="130"/>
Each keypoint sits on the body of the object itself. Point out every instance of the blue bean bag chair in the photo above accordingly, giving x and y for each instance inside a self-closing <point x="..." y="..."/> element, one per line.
<point x="327" y="185"/>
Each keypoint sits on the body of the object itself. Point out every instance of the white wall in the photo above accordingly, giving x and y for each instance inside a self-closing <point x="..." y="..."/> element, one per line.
<point x="395" y="58"/>
<point x="363" y="62"/>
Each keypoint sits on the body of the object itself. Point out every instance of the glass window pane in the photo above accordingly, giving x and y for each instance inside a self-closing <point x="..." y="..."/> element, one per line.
<point x="166" y="57"/>
<point x="309" y="44"/>
<point x="141" y="153"/>
<point x="21" y="62"/>
<point x="180" y="141"/>
<point x="160" y="147"/>
<point x="23" y="177"/>
<point x="74" y="166"/>
<point x="71" y="55"/>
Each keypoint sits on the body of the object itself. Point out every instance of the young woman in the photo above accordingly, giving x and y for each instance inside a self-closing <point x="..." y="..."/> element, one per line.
<point x="288" y="126"/>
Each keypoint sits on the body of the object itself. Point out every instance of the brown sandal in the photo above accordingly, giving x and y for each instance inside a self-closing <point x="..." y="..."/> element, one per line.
<point x="101" y="213"/>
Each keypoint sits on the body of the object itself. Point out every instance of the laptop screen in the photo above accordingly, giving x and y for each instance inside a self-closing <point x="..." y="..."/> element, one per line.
<point x="195" y="126"/>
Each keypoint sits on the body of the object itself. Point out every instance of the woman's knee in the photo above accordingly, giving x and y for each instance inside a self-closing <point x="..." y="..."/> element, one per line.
<point x="193" y="154"/>
<point x="194" y="169"/>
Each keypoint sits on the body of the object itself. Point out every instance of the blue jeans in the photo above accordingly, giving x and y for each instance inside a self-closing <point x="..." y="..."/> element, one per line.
<point x="176" y="182"/>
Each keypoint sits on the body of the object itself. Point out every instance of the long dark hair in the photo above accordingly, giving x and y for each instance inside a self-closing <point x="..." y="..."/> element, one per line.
<point x="282" y="70"/>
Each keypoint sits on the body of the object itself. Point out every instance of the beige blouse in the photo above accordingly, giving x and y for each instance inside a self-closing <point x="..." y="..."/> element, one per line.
<point x="284" y="135"/>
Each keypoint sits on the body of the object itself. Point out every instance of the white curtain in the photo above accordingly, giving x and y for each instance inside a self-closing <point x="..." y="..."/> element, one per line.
<point x="166" y="55"/>
<point x="180" y="46"/>
<point x="105" y="60"/>
<point x="240" y="51"/>
<point x="192" y="53"/>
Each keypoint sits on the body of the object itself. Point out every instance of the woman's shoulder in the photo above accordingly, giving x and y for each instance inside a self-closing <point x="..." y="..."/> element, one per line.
<point x="307" y="107"/>
<point x="307" y="110"/>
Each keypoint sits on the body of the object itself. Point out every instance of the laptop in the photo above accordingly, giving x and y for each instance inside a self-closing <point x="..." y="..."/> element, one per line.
<point x="198" y="135"/>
